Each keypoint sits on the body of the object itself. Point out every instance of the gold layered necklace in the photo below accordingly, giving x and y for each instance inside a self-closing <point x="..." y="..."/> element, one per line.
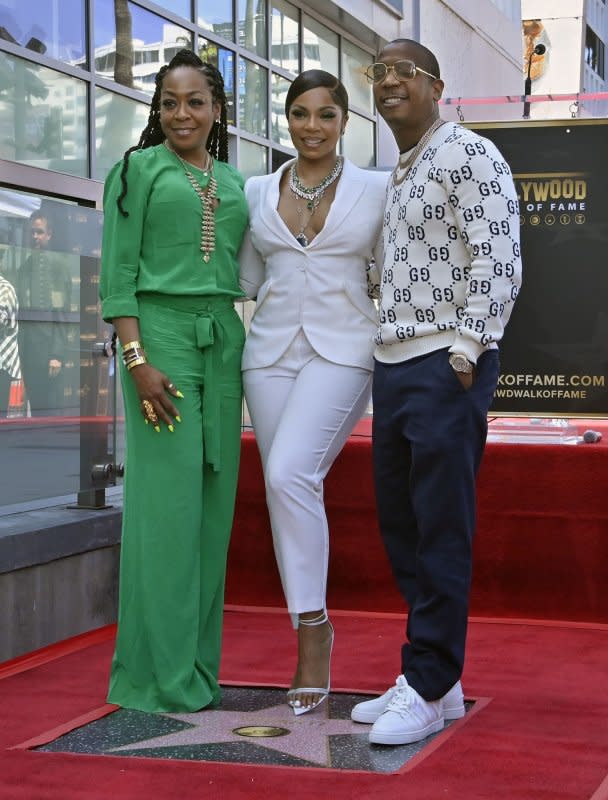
<point x="406" y="161"/>
<point x="207" y="196"/>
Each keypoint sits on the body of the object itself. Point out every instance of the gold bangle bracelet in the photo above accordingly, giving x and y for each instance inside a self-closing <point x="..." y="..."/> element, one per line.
<point x="129" y="345"/>
<point x="134" y="352"/>
<point x="135" y="363"/>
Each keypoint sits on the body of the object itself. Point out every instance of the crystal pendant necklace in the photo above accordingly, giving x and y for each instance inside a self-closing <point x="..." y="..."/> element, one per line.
<point x="207" y="196"/>
<point x="312" y="194"/>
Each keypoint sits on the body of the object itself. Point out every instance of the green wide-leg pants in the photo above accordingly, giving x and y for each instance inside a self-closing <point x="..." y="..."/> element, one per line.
<point x="179" y="494"/>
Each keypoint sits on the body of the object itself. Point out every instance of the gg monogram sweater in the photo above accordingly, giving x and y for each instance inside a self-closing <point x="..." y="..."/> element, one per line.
<point x="452" y="265"/>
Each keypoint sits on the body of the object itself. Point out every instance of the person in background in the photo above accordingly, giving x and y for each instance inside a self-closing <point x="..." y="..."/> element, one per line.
<point x="44" y="289"/>
<point x="315" y="227"/>
<point x="10" y="365"/>
<point x="451" y="274"/>
<point x="175" y="214"/>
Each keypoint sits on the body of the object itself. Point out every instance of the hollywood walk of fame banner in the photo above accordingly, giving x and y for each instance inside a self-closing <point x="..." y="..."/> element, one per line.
<point x="554" y="356"/>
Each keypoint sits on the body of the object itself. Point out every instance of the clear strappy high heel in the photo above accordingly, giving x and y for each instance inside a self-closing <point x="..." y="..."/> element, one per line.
<point x="292" y="694"/>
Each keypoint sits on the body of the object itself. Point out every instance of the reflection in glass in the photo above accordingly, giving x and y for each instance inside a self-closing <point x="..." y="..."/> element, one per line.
<point x="49" y="253"/>
<point x="216" y="16"/>
<point x="354" y="63"/>
<point x="284" y="50"/>
<point x="252" y="26"/>
<point x="253" y="97"/>
<point x="358" y="141"/>
<point x="320" y="46"/>
<point x="253" y="159"/>
<point x="223" y="60"/>
<point x="43" y="117"/>
<point x="132" y="44"/>
<point x="119" y="122"/>
<point x="279" y="158"/>
<point x="38" y="26"/>
<point x="181" y="7"/>
<point x="279" y="131"/>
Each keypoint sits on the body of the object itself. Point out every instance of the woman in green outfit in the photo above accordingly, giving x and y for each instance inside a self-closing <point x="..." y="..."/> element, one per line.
<point x="175" y="214"/>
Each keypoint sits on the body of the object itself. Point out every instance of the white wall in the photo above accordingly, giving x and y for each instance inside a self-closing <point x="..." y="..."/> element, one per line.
<point x="478" y="48"/>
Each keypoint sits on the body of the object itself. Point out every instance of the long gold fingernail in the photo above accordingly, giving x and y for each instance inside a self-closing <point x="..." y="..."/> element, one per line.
<point x="157" y="428"/>
<point x="170" y="428"/>
<point x="178" y="419"/>
<point x="179" y="394"/>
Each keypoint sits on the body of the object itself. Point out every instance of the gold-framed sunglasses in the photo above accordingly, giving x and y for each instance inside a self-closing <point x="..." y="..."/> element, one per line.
<point x="404" y="70"/>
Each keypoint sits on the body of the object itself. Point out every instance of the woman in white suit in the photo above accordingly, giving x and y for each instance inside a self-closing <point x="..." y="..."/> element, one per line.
<point x="314" y="228"/>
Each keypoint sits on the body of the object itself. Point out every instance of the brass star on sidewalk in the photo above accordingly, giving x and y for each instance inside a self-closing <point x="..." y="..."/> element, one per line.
<point x="307" y="736"/>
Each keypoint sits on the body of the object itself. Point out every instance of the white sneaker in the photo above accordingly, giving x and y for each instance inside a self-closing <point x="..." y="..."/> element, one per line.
<point x="408" y="717"/>
<point x="369" y="710"/>
<point x="453" y="702"/>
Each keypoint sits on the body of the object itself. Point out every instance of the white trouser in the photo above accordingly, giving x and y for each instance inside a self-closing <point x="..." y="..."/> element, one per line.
<point x="303" y="409"/>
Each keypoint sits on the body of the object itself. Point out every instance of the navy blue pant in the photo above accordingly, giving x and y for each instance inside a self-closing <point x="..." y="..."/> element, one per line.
<point x="428" y="439"/>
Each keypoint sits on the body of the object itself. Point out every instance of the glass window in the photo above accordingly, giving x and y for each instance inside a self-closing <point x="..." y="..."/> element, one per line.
<point x="279" y="158"/>
<point x="38" y="26"/>
<point x="54" y="381"/>
<point x="119" y="122"/>
<point x="131" y="44"/>
<point x="279" y="131"/>
<point x="594" y="52"/>
<point x="181" y="7"/>
<point x="223" y="60"/>
<point x="252" y="26"/>
<point x="216" y="16"/>
<point x="358" y="142"/>
<point x="320" y="46"/>
<point x="253" y="97"/>
<point x="284" y="49"/>
<point x="36" y="127"/>
<point x="354" y="63"/>
<point x="253" y="159"/>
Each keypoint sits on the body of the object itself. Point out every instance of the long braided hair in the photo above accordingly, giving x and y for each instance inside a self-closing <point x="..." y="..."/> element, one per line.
<point x="217" y="143"/>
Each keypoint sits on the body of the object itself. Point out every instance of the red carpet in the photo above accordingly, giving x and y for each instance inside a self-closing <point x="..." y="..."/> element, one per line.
<point x="541" y="730"/>
<point x="542" y="735"/>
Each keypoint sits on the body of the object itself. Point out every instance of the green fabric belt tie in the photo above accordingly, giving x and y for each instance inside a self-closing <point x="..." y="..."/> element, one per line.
<point x="210" y="340"/>
<point x="209" y="333"/>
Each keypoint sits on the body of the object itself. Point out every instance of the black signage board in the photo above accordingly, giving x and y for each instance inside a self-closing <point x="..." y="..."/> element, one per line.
<point x="554" y="355"/>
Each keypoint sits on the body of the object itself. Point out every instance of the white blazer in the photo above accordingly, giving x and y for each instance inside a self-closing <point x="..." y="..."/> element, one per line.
<point x="324" y="288"/>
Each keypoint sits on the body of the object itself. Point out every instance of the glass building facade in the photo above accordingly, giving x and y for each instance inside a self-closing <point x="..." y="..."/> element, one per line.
<point x="76" y="79"/>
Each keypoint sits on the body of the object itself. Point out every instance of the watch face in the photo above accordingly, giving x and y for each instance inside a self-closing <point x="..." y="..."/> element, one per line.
<point x="460" y="363"/>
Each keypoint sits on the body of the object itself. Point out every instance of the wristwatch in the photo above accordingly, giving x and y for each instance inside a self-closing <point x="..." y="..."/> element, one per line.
<point x="460" y="363"/>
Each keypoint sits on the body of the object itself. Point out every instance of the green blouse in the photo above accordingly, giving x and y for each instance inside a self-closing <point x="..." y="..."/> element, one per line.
<point x="157" y="247"/>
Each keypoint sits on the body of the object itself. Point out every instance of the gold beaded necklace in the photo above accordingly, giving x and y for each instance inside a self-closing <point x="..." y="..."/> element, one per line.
<point x="207" y="196"/>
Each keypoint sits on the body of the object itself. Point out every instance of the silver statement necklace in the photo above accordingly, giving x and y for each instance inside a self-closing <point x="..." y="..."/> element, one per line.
<point x="207" y="196"/>
<point x="312" y="195"/>
<point x="406" y="161"/>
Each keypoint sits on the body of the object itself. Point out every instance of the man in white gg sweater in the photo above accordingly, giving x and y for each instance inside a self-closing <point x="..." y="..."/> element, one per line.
<point x="451" y="274"/>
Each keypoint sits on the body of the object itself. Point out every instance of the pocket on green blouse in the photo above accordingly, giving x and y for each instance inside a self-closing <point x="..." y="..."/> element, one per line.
<point x="169" y="224"/>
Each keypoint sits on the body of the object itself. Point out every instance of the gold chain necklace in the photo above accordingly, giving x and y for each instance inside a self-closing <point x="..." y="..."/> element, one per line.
<point x="207" y="196"/>
<point x="404" y="165"/>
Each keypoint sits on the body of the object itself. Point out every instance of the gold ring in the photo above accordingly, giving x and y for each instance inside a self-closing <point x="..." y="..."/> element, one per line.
<point x="149" y="411"/>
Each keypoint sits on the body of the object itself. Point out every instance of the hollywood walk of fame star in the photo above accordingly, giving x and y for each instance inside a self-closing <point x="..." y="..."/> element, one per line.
<point x="307" y="738"/>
